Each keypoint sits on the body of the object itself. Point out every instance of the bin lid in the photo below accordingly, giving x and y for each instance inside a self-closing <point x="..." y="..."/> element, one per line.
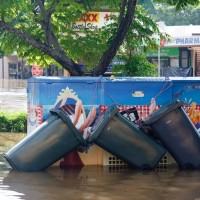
<point x="69" y="123"/>
<point x="162" y="111"/>
<point x="101" y="122"/>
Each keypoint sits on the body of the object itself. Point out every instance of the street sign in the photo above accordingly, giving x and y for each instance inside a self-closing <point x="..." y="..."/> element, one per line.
<point x="37" y="70"/>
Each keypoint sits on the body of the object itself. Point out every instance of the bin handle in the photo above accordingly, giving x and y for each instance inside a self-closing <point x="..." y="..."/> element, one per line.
<point x="111" y="111"/>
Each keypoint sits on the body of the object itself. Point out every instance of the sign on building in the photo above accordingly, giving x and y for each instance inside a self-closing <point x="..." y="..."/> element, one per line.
<point x="182" y="41"/>
<point x="37" y="70"/>
<point x="92" y="21"/>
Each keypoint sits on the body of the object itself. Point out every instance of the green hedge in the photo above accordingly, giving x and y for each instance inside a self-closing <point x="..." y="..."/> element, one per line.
<point x="13" y="122"/>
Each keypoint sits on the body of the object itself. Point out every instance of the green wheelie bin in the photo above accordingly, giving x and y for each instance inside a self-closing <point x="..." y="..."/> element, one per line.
<point x="123" y="139"/>
<point x="172" y="126"/>
<point x="52" y="140"/>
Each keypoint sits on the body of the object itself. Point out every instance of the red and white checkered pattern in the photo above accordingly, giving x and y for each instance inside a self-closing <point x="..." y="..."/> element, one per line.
<point x="39" y="111"/>
<point x="142" y="110"/>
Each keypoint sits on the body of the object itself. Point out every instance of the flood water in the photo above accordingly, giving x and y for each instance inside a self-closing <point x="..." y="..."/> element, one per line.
<point x="100" y="183"/>
<point x="13" y="95"/>
<point x="88" y="182"/>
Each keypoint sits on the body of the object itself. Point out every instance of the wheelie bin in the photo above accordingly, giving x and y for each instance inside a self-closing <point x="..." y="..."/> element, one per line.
<point x="172" y="126"/>
<point x="52" y="140"/>
<point x="123" y="139"/>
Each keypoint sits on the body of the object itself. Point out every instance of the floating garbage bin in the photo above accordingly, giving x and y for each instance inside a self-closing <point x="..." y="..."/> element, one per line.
<point x="174" y="129"/>
<point x="52" y="140"/>
<point x="122" y="138"/>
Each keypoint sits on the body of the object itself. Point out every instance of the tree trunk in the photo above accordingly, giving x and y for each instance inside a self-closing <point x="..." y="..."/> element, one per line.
<point x="69" y="65"/>
<point x="125" y="23"/>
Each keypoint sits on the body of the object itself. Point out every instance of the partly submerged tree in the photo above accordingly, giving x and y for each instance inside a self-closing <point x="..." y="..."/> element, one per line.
<point x="42" y="31"/>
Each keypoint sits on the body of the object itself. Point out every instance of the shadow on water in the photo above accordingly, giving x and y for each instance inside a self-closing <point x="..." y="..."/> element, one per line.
<point x="95" y="182"/>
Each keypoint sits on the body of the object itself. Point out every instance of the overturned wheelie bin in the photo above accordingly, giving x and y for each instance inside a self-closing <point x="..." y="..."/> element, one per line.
<point x="52" y="140"/>
<point x="125" y="140"/>
<point x="172" y="126"/>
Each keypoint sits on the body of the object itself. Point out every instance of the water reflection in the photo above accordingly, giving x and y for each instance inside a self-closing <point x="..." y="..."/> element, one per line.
<point x="100" y="183"/>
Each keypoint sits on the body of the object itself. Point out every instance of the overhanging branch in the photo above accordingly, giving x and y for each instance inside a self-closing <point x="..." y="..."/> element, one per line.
<point x="23" y="35"/>
<point x="46" y="21"/>
<point x="36" y="43"/>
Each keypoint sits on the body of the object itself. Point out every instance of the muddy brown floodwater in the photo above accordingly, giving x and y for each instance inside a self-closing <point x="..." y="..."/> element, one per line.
<point x="95" y="182"/>
<point x="88" y="182"/>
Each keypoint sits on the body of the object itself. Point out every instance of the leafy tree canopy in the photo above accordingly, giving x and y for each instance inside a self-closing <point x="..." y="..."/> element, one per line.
<point x="172" y="17"/>
<point x="42" y="31"/>
<point x="179" y="4"/>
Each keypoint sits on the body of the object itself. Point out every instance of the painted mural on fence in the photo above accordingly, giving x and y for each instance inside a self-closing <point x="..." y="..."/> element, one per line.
<point x="189" y="95"/>
<point x="69" y="102"/>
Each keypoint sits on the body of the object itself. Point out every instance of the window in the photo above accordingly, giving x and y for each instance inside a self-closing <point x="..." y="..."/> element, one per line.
<point x="184" y="58"/>
<point x="12" y="70"/>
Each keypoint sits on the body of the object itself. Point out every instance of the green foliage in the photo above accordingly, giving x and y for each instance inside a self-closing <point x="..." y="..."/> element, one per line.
<point x="19" y="14"/>
<point x="136" y="65"/>
<point x="142" y="33"/>
<point x="141" y="37"/>
<point x="172" y="17"/>
<point x="179" y="4"/>
<point x="87" y="47"/>
<point x="13" y="122"/>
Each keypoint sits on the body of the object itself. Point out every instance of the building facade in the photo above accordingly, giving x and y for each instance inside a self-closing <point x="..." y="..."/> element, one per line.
<point x="179" y="56"/>
<point x="13" y="67"/>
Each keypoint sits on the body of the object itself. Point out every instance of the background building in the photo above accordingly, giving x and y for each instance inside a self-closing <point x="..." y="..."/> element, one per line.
<point x="181" y="55"/>
<point x="13" y="67"/>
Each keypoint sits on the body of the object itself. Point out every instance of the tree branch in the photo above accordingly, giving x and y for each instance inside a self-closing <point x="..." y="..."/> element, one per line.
<point x="23" y="35"/>
<point x="46" y="22"/>
<point x="117" y="41"/>
<point x="51" y="39"/>
<point x="122" y="11"/>
<point x="59" y="56"/>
